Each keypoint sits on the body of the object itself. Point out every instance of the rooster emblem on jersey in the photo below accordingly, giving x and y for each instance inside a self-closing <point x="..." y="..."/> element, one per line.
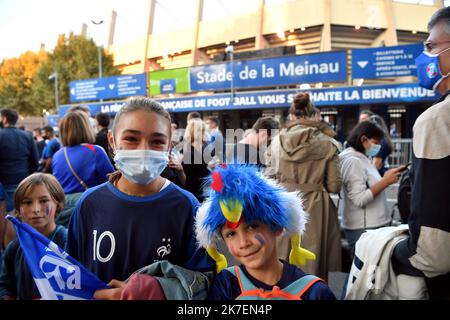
<point x="241" y="193"/>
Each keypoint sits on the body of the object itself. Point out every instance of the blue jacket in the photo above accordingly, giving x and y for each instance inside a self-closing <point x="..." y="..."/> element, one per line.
<point x="18" y="155"/>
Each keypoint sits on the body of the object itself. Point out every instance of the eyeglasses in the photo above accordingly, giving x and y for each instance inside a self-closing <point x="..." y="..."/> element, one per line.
<point x="428" y="46"/>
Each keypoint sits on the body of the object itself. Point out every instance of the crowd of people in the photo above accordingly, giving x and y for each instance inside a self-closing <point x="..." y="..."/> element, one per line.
<point x="236" y="214"/>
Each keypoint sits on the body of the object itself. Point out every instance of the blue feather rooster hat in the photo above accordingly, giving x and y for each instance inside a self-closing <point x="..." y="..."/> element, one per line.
<point x="241" y="193"/>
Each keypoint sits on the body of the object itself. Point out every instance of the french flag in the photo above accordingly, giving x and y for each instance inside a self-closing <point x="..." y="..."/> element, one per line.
<point x="57" y="275"/>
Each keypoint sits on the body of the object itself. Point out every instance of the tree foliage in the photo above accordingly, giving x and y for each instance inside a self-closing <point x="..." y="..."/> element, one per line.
<point x="16" y="81"/>
<point x="74" y="58"/>
<point x="24" y="82"/>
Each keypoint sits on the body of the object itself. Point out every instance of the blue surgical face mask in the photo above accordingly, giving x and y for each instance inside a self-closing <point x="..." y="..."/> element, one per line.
<point x="141" y="166"/>
<point x="374" y="149"/>
<point x="428" y="71"/>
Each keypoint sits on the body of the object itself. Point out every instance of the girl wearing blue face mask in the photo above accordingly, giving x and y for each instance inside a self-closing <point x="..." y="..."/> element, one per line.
<point x="363" y="202"/>
<point x="137" y="217"/>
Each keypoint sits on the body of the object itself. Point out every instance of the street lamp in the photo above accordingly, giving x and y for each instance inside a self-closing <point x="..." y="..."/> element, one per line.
<point x="100" y="48"/>
<point x="99" y="52"/>
<point x="230" y="50"/>
<point x="50" y="77"/>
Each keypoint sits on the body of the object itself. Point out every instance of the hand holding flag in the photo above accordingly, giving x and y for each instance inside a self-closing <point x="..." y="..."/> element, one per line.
<point x="57" y="275"/>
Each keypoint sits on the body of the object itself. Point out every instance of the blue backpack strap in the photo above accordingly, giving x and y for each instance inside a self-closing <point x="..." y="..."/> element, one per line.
<point x="301" y="284"/>
<point x="244" y="282"/>
<point x="231" y="270"/>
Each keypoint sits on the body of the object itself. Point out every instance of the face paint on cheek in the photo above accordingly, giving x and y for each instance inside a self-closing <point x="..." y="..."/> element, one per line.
<point x="260" y="239"/>
<point x="47" y="211"/>
<point x="232" y="251"/>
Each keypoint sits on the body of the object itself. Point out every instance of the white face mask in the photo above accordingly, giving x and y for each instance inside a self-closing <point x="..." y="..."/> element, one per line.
<point x="141" y="166"/>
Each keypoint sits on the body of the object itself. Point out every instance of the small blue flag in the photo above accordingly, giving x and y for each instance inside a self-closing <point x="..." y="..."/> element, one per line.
<point x="57" y="275"/>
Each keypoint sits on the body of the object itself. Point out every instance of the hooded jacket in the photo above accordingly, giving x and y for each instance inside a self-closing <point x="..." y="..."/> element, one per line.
<point x="304" y="157"/>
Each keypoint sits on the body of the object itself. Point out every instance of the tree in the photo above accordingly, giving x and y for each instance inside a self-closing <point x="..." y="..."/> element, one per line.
<point x="74" y="58"/>
<point x="16" y="82"/>
<point x="24" y="83"/>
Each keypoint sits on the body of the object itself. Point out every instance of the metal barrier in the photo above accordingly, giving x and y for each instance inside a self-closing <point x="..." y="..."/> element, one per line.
<point x="402" y="153"/>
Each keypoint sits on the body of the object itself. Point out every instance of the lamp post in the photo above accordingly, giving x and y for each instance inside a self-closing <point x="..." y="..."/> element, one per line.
<point x="50" y="77"/>
<point x="99" y="51"/>
<point x="100" y="71"/>
<point x="230" y="50"/>
<point x="99" y="48"/>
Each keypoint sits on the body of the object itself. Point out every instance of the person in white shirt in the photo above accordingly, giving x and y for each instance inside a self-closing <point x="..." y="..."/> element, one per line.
<point x="363" y="202"/>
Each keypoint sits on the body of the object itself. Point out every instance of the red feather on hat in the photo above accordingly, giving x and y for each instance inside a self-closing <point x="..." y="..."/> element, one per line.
<point x="217" y="184"/>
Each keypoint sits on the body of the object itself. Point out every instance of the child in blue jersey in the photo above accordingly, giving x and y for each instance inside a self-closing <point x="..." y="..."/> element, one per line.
<point x="137" y="218"/>
<point x="37" y="200"/>
<point x="249" y="212"/>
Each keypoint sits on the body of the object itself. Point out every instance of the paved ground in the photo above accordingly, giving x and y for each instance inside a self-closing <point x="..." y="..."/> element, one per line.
<point x="336" y="282"/>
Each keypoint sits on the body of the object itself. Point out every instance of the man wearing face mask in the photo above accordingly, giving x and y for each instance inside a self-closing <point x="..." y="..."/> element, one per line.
<point x="426" y="251"/>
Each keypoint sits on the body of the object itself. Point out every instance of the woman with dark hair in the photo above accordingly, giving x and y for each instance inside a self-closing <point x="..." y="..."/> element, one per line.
<point x="364" y="205"/>
<point x="304" y="157"/>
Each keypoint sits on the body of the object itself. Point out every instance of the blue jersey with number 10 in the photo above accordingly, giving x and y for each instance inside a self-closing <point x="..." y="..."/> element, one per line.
<point x="114" y="234"/>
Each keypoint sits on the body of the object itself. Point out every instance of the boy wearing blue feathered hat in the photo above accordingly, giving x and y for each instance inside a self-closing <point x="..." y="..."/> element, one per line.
<point x="249" y="212"/>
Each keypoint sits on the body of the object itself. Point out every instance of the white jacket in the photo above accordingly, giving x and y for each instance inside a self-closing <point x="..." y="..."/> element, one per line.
<point x="358" y="175"/>
<point x="371" y="275"/>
